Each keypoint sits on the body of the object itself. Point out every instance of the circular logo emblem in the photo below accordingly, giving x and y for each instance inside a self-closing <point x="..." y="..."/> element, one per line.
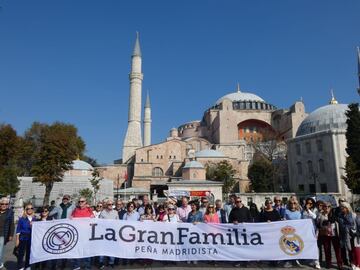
<point x="60" y="238"/>
<point x="290" y="243"/>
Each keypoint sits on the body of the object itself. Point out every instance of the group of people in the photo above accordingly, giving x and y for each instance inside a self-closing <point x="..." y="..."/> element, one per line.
<point x="336" y="227"/>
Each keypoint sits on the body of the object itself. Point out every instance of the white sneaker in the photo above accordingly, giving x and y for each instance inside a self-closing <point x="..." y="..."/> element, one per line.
<point x="353" y="266"/>
<point x="77" y="268"/>
<point x="298" y="263"/>
<point x="288" y="265"/>
<point x="317" y="265"/>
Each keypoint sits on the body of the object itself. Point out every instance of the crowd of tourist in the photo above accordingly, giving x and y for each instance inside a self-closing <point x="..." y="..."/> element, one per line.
<point x="336" y="227"/>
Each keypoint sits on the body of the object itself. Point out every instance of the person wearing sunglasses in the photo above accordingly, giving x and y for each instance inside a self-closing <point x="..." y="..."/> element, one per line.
<point x="329" y="235"/>
<point x="64" y="210"/>
<point x="108" y="213"/>
<point x="210" y="215"/>
<point x="82" y="211"/>
<point x="44" y="216"/>
<point x="240" y="213"/>
<point x="171" y="214"/>
<point x="23" y="236"/>
<point x="6" y="227"/>
<point x="98" y="209"/>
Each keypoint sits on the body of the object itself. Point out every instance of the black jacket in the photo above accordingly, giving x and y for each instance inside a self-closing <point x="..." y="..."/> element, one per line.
<point x="240" y="215"/>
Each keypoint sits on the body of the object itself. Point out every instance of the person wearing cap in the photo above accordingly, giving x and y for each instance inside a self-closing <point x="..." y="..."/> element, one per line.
<point x="171" y="214"/>
<point x="64" y="210"/>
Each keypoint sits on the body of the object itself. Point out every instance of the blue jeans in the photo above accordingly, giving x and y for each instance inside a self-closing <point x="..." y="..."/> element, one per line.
<point x="85" y="261"/>
<point x="2" y="247"/>
<point x="111" y="260"/>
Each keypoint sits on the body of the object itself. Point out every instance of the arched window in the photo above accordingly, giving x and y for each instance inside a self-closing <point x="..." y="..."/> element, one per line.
<point x="310" y="166"/>
<point x="299" y="168"/>
<point x="157" y="171"/>
<point x="321" y="165"/>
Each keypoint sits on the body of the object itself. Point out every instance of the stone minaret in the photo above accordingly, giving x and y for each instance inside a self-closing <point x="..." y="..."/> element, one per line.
<point x="147" y="121"/>
<point x="133" y="134"/>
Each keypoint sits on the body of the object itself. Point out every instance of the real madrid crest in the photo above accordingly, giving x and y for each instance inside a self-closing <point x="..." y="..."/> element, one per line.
<point x="290" y="243"/>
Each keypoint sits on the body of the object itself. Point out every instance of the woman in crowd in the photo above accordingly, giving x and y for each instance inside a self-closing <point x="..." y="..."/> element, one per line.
<point x="347" y="227"/>
<point x="98" y="209"/>
<point x="195" y="216"/>
<point x="44" y="216"/>
<point x="254" y="213"/>
<point x="310" y="212"/>
<point x="293" y="212"/>
<point x="23" y="236"/>
<point x="210" y="215"/>
<point x="269" y="214"/>
<point x="131" y="213"/>
<point x="329" y="234"/>
<point x="148" y="214"/>
<point x="171" y="214"/>
<point x="161" y="213"/>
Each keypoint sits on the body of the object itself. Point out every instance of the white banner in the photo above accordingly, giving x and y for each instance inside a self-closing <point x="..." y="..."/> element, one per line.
<point x="78" y="238"/>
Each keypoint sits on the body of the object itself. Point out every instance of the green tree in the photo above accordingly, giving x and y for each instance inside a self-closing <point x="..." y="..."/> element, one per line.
<point x="53" y="148"/>
<point x="352" y="166"/>
<point x="86" y="193"/>
<point x="95" y="182"/>
<point x="9" y="153"/>
<point x="261" y="174"/>
<point x="223" y="172"/>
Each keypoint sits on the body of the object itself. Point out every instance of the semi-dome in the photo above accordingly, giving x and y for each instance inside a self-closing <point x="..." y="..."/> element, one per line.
<point x="81" y="165"/>
<point x="329" y="117"/>
<point x="193" y="164"/>
<point x="240" y="96"/>
<point x="209" y="153"/>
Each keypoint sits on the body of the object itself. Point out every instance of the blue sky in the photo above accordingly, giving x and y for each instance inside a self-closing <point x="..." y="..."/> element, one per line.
<point x="69" y="60"/>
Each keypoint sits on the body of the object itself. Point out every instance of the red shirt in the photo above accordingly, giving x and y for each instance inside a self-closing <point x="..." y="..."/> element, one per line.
<point x="82" y="212"/>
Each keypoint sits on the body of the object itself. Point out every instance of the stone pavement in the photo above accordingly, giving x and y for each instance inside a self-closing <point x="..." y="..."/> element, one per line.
<point x="10" y="263"/>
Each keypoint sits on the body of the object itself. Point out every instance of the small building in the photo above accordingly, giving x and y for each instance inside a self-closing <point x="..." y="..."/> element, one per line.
<point x="74" y="180"/>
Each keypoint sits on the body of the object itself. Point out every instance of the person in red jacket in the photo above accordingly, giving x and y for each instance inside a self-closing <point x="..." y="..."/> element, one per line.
<point x="82" y="211"/>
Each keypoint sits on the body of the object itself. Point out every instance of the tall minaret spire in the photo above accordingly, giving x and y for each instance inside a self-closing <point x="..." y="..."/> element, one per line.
<point x="133" y="134"/>
<point x="147" y="121"/>
<point x="358" y="58"/>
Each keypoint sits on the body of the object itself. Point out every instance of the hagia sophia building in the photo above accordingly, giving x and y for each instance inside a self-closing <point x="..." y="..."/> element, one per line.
<point x="227" y="131"/>
<point x="311" y="148"/>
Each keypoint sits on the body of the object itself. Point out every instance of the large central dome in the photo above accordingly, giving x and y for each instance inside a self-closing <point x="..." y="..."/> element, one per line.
<point x="240" y="96"/>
